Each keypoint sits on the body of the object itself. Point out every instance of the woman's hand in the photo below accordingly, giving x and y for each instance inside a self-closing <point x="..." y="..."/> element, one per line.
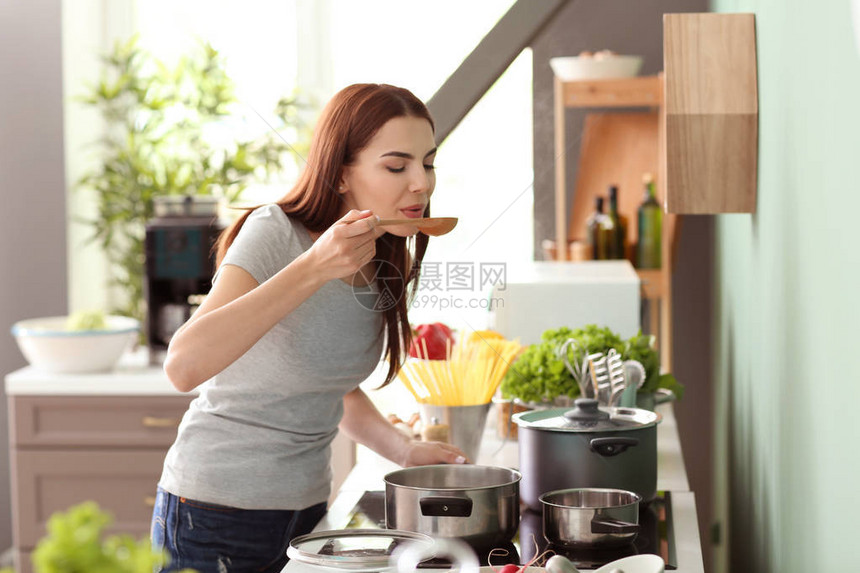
<point x="363" y="423"/>
<point x="427" y="453"/>
<point x="346" y="246"/>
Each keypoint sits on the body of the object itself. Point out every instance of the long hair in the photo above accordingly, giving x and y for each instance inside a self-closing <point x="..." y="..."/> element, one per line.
<point x="345" y="127"/>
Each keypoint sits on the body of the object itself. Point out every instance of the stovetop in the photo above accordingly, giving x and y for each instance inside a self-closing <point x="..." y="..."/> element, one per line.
<point x="655" y="536"/>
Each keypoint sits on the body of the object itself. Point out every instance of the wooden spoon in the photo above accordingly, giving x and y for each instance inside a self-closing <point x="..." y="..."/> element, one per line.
<point x="433" y="226"/>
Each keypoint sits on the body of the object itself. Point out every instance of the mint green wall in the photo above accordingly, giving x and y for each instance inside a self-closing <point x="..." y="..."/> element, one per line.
<point x="787" y="306"/>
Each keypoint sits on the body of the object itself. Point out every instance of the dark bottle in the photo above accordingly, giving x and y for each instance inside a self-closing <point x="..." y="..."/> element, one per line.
<point x="618" y="238"/>
<point x="592" y="228"/>
<point x="649" y="247"/>
<point x="599" y="230"/>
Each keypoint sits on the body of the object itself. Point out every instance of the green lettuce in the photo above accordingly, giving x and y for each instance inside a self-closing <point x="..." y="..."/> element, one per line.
<point x="539" y="374"/>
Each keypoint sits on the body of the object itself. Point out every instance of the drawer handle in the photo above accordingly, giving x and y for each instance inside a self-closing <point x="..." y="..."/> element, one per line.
<point x="149" y="501"/>
<point x="153" y="422"/>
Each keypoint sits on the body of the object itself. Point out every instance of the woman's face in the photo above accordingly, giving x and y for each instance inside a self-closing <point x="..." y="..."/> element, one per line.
<point x="393" y="176"/>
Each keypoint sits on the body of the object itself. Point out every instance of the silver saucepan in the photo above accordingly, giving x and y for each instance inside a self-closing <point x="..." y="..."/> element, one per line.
<point x="590" y="517"/>
<point x="478" y="504"/>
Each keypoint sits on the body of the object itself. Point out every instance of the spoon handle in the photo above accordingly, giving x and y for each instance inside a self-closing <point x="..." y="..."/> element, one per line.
<point x="384" y="222"/>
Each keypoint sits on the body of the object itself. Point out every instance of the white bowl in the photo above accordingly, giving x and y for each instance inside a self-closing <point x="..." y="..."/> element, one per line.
<point x="595" y="68"/>
<point x="49" y="346"/>
<point x="645" y="563"/>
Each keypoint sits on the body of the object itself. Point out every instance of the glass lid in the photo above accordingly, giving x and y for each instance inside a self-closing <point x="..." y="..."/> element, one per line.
<point x="352" y="549"/>
<point x="587" y="416"/>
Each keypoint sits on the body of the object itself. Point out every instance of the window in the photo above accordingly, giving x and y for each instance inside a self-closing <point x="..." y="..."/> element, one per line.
<point x="484" y="167"/>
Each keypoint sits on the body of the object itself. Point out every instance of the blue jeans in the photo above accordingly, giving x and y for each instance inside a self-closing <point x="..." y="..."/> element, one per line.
<point x="220" y="539"/>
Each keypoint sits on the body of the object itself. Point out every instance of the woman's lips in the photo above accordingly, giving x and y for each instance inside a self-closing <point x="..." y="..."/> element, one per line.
<point x="413" y="212"/>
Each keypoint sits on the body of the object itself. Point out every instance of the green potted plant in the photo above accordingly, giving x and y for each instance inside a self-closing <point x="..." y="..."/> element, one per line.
<point x="539" y="376"/>
<point x="159" y="142"/>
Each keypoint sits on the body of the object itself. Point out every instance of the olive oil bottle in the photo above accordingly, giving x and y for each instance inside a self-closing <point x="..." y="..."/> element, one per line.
<point x="649" y="246"/>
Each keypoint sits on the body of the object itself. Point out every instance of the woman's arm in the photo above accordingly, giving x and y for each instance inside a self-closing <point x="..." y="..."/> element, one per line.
<point x="238" y="311"/>
<point x="234" y="316"/>
<point x="363" y="423"/>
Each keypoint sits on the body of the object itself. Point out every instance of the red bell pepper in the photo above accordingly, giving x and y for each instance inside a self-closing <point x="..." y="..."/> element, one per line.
<point x="435" y="336"/>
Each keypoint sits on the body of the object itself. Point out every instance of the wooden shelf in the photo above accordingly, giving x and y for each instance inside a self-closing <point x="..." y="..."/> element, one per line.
<point x="640" y="139"/>
<point x="652" y="282"/>
<point x="645" y="91"/>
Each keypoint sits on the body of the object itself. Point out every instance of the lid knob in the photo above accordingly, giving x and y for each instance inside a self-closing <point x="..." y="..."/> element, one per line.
<point x="586" y="410"/>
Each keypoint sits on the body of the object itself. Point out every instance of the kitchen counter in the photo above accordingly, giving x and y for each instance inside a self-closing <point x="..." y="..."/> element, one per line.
<point x="133" y="376"/>
<point x="671" y="476"/>
<point x="97" y="436"/>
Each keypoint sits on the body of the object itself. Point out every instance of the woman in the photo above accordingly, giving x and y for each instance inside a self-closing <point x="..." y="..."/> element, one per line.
<point x="283" y="340"/>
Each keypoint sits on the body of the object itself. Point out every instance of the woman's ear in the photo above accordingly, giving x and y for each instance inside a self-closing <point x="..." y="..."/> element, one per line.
<point x="343" y="183"/>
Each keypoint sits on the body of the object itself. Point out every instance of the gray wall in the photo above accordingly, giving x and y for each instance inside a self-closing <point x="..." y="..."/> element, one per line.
<point x="32" y="188"/>
<point x="637" y="28"/>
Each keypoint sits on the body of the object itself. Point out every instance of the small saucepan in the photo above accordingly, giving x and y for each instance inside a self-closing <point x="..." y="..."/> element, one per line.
<point x="590" y="517"/>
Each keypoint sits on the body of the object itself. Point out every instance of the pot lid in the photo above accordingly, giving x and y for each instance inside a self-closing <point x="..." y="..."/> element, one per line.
<point x="352" y="549"/>
<point x="587" y="416"/>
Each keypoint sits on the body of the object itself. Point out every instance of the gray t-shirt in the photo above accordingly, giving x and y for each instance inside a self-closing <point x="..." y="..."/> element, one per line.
<point x="258" y="436"/>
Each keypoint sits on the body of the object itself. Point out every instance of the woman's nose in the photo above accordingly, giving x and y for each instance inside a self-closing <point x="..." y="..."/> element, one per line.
<point x="421" y="182"/>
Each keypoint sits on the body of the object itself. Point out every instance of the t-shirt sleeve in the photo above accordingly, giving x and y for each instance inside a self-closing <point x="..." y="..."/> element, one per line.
<point x="262" y="245"/>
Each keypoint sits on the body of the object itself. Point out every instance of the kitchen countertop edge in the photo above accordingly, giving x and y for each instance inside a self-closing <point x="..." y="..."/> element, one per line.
<point x="133" y="376"/>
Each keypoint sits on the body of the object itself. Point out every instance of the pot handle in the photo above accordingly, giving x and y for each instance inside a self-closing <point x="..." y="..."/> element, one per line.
<point x="663" y="395"/>
<point x="446" y="506"/>
<point x="608" y="447"/>
<point x="601" y="524"/>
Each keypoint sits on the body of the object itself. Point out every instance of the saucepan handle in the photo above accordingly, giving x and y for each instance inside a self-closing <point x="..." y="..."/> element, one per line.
<point x="439" y="506"/>
<point x="602" y="524"/>
<point x="608" y="447"/>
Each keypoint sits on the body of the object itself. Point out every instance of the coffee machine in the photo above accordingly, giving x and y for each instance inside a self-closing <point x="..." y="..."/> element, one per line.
<point x="180" y="262"/>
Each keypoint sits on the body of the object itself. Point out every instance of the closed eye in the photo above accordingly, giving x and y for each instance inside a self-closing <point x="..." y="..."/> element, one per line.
<point x="395" y="170"/>
<point x="429" y="167"/>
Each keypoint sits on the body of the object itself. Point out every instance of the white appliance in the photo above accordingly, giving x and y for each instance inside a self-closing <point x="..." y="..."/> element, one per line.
<point x="543" y="294"/>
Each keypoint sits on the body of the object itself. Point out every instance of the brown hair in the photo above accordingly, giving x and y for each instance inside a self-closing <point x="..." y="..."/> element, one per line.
<point x="345" y="127"/>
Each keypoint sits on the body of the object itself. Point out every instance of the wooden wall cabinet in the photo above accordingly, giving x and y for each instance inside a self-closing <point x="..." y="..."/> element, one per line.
<point x="711" y="108"/>
<point x="69" y="449"/>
